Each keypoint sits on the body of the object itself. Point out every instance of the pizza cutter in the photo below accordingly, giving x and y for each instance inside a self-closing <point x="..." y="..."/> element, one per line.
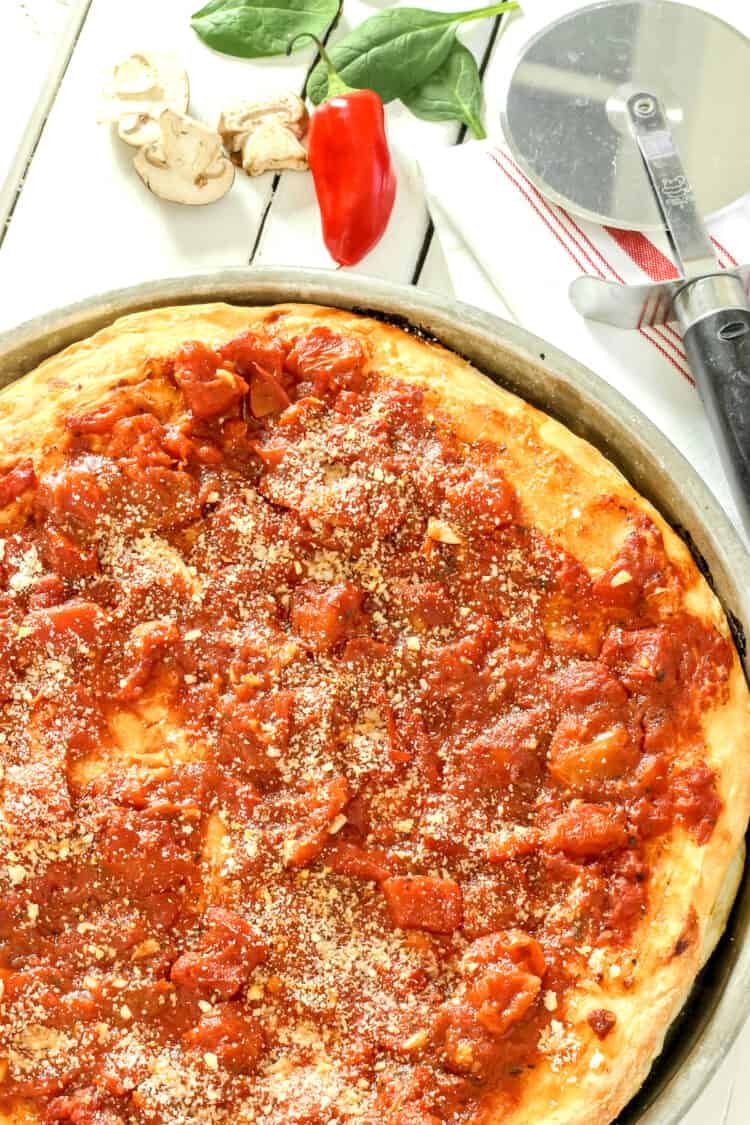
<point x="630" y="113"/>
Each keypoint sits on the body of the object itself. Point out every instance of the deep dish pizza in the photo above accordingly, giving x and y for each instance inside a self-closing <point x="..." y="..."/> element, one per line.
<point x="371" y="752"/>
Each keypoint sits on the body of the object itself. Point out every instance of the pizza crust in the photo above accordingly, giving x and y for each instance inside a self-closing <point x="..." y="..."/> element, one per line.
<point x="573" y="494"/>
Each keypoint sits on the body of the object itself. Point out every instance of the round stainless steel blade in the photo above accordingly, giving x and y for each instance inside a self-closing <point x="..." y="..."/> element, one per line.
<point x="564" y="115"/>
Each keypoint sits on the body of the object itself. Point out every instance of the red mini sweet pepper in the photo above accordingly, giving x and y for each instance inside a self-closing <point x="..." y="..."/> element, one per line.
<point x="352" y="167"/>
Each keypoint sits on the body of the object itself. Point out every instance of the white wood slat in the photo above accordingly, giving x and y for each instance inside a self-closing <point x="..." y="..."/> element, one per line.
<point x="291" y="235"/>
<point x="35" y="45"/>
<point x="434" y="275"/>
<point x="84" y="222"/>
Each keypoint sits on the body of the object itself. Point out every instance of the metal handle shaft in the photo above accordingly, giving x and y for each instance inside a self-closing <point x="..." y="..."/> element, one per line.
<point x="690" y="242"/>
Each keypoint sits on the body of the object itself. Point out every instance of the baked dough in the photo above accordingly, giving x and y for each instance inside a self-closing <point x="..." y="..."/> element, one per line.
<point x="579" y="1069"/>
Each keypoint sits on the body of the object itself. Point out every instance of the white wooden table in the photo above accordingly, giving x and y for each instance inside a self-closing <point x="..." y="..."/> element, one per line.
<point x="75" y="219"/>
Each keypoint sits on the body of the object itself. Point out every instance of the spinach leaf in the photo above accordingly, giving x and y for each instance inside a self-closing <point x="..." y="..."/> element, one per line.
<point x="453" y="92"/>
<point x="396" y="49"/>
<point x="252" y="29"/>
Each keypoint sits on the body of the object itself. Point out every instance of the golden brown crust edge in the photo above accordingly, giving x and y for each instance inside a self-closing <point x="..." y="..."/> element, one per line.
<point x="566" y="487"/>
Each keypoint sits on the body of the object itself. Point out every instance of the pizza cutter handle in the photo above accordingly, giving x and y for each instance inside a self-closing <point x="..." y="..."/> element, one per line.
<point x="715" y="319"/>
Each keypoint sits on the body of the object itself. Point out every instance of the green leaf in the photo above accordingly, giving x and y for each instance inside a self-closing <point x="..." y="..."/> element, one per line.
<point x="252" y="29"/>
<point x="453" y="92"/>
<point x="396" y="49"/>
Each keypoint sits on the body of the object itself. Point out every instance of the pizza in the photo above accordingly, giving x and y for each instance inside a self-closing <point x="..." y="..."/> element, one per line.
<point x="372" y="753"/>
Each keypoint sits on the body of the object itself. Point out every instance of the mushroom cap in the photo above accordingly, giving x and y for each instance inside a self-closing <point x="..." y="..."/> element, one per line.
<point x="188" y="163"/>
<point x="138" y="91"/>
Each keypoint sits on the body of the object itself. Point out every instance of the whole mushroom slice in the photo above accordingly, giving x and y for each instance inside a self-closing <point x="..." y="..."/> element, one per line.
<point x="138" y="91"/>
<point x="264" y="135"/>
<point x="188" y="164"/>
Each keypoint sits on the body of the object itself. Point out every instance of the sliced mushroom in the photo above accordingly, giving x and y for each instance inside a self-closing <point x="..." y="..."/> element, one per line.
<point x="188" y="164"/>
<point x="139" y="89"/>
<point x="271" y="147"/>
<point x="264" y="135"/>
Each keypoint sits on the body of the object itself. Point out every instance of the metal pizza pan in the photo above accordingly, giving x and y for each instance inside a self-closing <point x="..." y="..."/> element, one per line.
<point x="548" y="378"/>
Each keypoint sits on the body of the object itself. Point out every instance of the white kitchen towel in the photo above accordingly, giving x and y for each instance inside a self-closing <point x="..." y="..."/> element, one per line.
<point x="509" y="250"/>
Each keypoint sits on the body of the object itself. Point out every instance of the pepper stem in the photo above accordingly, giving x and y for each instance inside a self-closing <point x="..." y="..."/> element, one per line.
<point x="336" y="84"/>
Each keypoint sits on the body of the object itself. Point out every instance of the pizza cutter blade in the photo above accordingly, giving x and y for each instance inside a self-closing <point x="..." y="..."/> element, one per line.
<point x="628" y="113"/>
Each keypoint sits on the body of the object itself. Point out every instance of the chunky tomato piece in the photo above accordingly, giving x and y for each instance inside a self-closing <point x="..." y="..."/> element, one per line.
<point x="209" y="389"/>
<point x="467" y="1046"/>
<point x="177" y="441"/>
<point x="146" y="853"/>
<point x="427" y="604"/>
<point x="504" y="757"/>
<point x="588" y="683"/>
<point x="256" y="732"/>
<point x="410" y="743"/>
<point x="514" y="946"/>
<point x="227" y="952"/>
<point x="76" y="492"/>
<point x="140" y="437"/>
<point x="359" y="863"/>
<point x="592" y="741"/>
<point x="102" y="419"/>
<point x="251" y="351"/>
<point x="149" y="645"/>
<point x="68" y="559"/>
<point x="453" y="667"/>
<point x="640" y="569"/>
<point x="317" y="809"/>
<point x="259" y="359"/>
<point x="586" y="750"/>
<point x="329" y="361"/>
<point x="235" y="1039"/>
<point x="502" y="980"/>
<point x="696" y="801"/>
<point x="74" y="620"/>
<point x="155" y="497"/>
<point x="644" y="659"/>
<point x="421" y="902"/>
<point x="48" y="590"/>
<point x="267" y="395"/>
<point x="20" y="479"/>
<point x="365" y="652"/>
<point x="324" y="615"/>
<point x="587" y="831"/>
<point x="502" y="996"/>
<point x="480" y="500"/>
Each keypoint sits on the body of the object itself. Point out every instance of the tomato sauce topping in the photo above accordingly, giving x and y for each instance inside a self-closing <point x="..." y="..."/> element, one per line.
<point x="321" y="768"/>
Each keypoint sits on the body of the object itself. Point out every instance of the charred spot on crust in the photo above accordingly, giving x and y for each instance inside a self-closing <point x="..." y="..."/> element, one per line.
<point x="601" y="1021"/>
<point x="394" y="320"/>
<point x="689" y="935"/>
<point x="735" y="625"/>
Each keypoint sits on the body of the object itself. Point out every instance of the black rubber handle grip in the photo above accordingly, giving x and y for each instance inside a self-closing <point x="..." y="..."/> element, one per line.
<point x="718" y="349"/>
